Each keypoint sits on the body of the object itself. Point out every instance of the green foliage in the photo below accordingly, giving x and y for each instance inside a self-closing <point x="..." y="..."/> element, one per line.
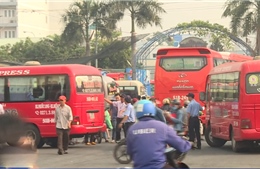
<point x="46" y="50"/>
<point x="217" y="33"/>
<point x="245" y="18"/>
<point x="81" y="16"/>
<point x="114" y="59"/>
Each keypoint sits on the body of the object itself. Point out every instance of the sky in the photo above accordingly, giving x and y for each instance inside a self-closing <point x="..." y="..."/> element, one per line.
<point x="179" y="11"/>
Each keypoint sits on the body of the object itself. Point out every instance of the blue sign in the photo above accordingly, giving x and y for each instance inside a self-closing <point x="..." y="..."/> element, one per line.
<point x="141" y="75"/>
<point x="176" y="40"/>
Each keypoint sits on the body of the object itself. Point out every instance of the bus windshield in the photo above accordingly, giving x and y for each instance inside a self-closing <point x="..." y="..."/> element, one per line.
<point x="183" y="63"/>
<point x="129" y="90"/>
<point x="112" y="88"/>
<point x="89" y="84"/>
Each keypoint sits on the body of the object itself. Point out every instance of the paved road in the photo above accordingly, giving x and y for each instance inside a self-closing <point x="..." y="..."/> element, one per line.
<point x="100" y="156"/>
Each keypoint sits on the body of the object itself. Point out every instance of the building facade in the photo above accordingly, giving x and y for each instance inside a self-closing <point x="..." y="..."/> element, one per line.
<point x="31" y="18"/>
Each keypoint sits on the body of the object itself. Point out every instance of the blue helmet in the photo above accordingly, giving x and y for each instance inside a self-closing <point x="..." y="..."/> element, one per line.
<point x="145" y="108"/>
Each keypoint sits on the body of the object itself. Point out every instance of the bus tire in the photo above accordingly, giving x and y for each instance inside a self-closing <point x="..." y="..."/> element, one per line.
<point x="99" y="137"/>
<point x="236" y="145"/>
<point x="212" y="141"/>
<point x="41" y="143"/>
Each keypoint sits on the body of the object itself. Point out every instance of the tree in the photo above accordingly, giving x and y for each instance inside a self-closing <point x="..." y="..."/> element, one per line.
<point x="216" y="45"/>
<point x="142" y="13"/>
<point x="83" y="15"/>
<point x="245" y="18"/>
<point x="48" y="49"/>
<point x="117" y="59"/>
<point x="216" y="32"/>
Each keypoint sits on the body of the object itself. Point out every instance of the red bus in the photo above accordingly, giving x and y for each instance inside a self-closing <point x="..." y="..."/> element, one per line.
<point x="179" y="71"/>
<point x="233" y="105"/>
<point x="32" y="92"/>
<point x="116" y="76"/>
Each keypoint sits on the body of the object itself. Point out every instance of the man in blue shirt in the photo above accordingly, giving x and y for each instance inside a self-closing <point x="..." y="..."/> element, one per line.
<point x="129" y="115"/>
<point x="147" y="139"/>
<point x="193" y="110"/>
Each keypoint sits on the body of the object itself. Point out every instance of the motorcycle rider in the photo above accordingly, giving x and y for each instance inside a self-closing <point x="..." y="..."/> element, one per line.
<point x="159" y="113"/>
<point x="147" y="139"/>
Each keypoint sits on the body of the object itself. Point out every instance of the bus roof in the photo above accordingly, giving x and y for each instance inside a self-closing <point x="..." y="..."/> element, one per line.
<point x="108" y="79"/>
<point x="234" y="66"/>
<point x="202" y="51"/>
<point x="48" y="69"/>
<point x="128" y="82"/>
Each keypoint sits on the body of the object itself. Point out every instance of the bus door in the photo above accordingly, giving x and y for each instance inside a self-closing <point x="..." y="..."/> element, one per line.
<point x="253" y="91"/>
<point x="90" y="100"/>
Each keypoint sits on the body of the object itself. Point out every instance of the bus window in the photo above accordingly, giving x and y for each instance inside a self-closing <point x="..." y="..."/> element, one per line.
<point x="224" y="87"/>
<point x="89" y="84"/>
<point x="36" y="88"/>
<point x="253" y="83"/>
<point x="56" y="86"/>
<point x="183" y="63"/>
<point x="2" y="88"/>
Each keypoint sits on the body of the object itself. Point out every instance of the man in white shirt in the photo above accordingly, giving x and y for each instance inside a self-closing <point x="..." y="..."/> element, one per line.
<point x="121" y="107"/>
<point x="63" y="118"/>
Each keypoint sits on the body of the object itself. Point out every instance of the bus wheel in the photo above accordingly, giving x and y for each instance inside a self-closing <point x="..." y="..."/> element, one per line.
<point x="212" y="141"/>
<point x="41" y="143"/>
<point x="236" y="145"/>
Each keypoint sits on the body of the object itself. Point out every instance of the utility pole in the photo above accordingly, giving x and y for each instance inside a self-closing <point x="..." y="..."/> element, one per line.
<point x="96" y="42"/>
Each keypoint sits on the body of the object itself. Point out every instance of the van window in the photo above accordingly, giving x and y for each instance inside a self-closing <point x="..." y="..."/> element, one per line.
<point x="34" y="88"/>
<point x="129" y="90"/>
<point x="224" y="87"/>
<point x="89" y="84"/>
<point x="253" y="83"/>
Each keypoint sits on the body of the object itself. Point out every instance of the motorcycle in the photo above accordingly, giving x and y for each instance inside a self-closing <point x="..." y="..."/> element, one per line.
<point x="174" y="158"/>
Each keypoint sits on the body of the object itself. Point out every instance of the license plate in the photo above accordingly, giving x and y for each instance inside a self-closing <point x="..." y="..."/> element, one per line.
<point x="91" y="115"/>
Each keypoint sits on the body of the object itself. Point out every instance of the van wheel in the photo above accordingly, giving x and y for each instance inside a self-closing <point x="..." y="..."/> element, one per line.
<point x="31" y="133"/>
<point x="212" y="141"/>
<point x="236" y="145"/>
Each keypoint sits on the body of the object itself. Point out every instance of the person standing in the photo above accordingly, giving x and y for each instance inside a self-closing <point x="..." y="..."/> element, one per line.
<point x="121" y="107"/>
<point x="63" y="118"/>
<point x="113" y="110"/>
<point x="193" y="110"/>
<point x="129" y="115"/>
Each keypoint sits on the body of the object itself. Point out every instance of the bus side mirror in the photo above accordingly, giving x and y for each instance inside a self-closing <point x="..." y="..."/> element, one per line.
<point x="202" y="96"/>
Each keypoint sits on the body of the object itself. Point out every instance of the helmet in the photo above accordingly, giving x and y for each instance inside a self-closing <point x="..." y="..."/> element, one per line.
<point x="186" y="102"/>
<point x="166" y="101"/>
<point x="176" y="102"/>
<point x="145" y="108"/>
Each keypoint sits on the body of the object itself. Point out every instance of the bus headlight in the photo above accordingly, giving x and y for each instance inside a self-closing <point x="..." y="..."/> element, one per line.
<point x="203" y="108"/>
